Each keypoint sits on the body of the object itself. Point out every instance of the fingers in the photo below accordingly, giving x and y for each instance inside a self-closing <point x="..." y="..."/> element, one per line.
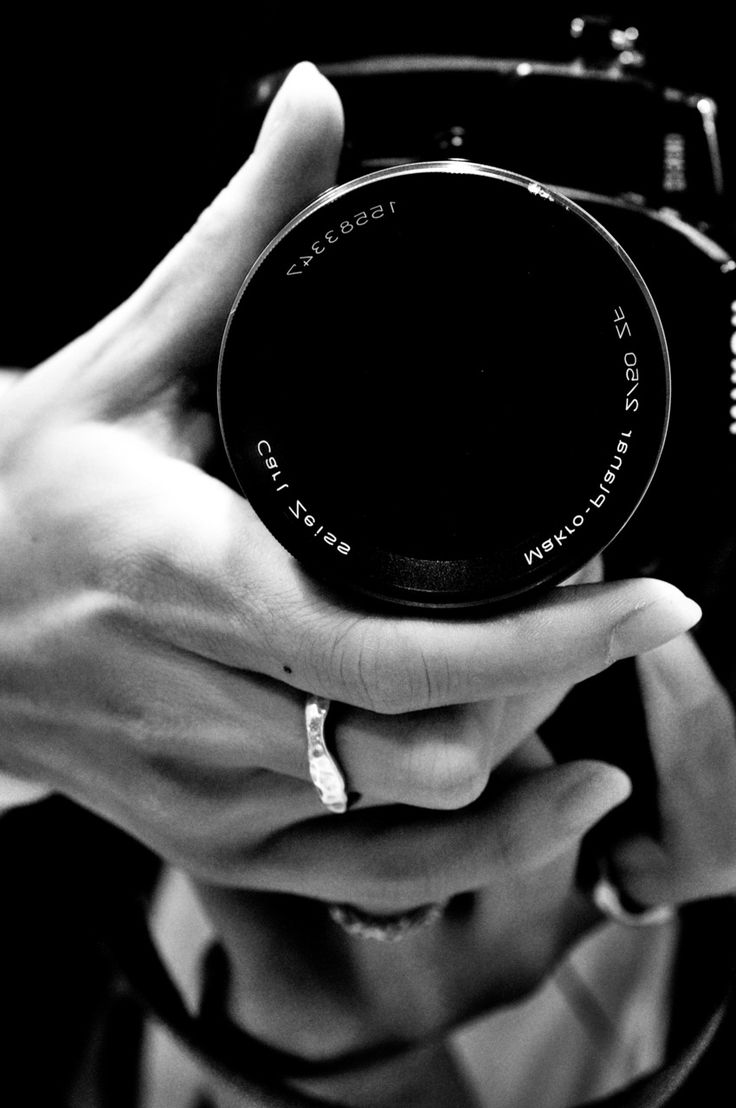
<point x="441" y="758"/>
<point x="195" y="568"/>
<point x="261" y="613"/>
<point x="394" y="666"/>
<point x="178" y="725"/>
<point x="203" y="618"/>
<point x="196" y="721"/>
<point x="392" y="859"/>
<point x="693" y="738"/>
<point x="683" y="698"/>
<point x="209" y="578"/>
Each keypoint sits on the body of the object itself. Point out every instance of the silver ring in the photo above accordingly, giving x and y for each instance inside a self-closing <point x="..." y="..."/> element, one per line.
<point x="385" y="929"/>
<point x="609" y="900"/>
<point x="327" y="777"/>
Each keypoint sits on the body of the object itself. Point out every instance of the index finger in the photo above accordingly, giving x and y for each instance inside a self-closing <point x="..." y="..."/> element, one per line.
<point x="242" y="600"/>
<point x="402" y="664"/>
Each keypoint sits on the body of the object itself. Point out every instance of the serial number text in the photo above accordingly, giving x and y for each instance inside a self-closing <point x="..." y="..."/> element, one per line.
<point x="338" y="232"/>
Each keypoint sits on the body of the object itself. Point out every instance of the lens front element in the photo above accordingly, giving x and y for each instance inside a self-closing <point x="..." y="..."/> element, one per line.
<point x="443" y="385"/>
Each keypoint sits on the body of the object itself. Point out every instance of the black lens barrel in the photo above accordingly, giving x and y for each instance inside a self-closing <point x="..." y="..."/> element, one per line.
<point x="444" y="385"/>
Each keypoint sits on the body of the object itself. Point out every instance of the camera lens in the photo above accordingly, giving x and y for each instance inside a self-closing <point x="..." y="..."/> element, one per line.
<point x="444" y="385"/>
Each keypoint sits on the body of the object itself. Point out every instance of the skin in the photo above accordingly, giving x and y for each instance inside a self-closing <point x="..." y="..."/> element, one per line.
<point x="157" y="643"/>
<point x="529" y="909"/>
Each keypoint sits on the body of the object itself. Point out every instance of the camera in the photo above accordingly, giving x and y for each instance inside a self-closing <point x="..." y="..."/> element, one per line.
<point x="504" y="342"/>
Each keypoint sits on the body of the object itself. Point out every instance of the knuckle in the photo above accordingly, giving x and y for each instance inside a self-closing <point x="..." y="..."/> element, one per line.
<point x="377" y="664"/>
<point x="452" y="775"/>
<point x="398" y="676"/>
<point x="385" y="685"/>
<point x="359" y="662"/>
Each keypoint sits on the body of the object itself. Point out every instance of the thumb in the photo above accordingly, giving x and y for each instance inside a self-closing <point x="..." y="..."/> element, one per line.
<point x="175" y="320"/>
<point x="294" y="160"/>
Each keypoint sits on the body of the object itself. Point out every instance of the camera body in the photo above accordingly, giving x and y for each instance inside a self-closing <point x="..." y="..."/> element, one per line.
<point x="644" y="161"/>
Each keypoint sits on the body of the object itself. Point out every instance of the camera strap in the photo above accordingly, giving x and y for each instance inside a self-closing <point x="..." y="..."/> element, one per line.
<point x="704" y="998"/>
<point x="102" y="895"/>
<point x="703" y="1006"/>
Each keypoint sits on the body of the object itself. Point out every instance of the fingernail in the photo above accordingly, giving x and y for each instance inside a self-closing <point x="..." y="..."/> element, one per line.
<point x="596" y="790"/>
<point x="298" y="78"/>
<point x="653" y="622"/>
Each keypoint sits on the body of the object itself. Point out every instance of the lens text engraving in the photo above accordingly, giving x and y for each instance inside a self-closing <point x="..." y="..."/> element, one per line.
<point x="295" y="506"/>
<point x="613" y="470"/>
<point x="340" y="230"/>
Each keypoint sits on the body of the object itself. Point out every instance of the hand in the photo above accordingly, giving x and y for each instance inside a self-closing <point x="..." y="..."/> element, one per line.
<point x="692" y="732"/>
<point x="513" y="853"/>
<point x="156" y="641"/>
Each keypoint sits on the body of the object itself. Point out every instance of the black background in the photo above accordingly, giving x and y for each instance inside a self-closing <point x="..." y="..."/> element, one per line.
<point x="117" y="132"/>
